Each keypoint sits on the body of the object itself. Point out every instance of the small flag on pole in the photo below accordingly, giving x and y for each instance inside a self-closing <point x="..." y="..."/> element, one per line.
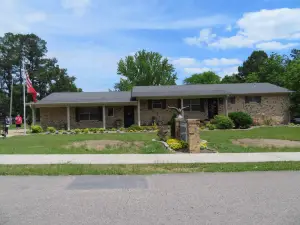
<point x="30" y="88"/>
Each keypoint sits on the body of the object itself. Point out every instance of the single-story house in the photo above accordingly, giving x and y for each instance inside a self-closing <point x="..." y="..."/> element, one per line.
<point x="145" y="104"/>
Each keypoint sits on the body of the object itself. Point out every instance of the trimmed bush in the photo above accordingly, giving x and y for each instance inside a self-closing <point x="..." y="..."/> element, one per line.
<point x="135" y="127"/>
<point x="241" y="119"/>
<point x="176" y="144"/>
<point x="93" y="130"/>
<point x="36" y="129"/>
<point x="211" y="126"/>
<point x="172" y="123"/>
<point x="51" y="129"/>
<point x="222" y="122"/>
<point x="77" y="131"/>
<point x="101" y="130"/>
<point x="86" y="130"/>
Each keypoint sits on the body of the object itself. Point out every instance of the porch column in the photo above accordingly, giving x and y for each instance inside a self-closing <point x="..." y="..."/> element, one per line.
<point x="33" y="115"/>
<point x="182" y="107"/>
<point x="68" y="118"/>
<point x="226" y="106"/>
<point x="104" y="117"/>
<point x="139" y="112"/>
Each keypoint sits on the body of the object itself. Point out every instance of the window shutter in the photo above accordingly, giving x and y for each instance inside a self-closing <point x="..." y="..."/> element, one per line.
<point x="77" y="114"/>
<point x="164" y="103"/>
<point x="149" y="104"/>
<point x="100" y="113"/>
<point x="178" y="103"/>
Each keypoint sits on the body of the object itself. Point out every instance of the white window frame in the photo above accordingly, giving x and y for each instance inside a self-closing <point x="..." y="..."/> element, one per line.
<point x="157" y="102"/>
<point x="113" y="111"/>
<point x="190" y="104"/>
<point x="86" y="113"/>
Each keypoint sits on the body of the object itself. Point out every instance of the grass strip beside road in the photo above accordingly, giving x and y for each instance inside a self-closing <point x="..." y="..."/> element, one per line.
<point x="71" y="169"/>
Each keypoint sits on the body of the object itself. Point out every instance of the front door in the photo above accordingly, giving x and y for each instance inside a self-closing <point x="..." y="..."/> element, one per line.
<point x="128" y="116"/>
<point x="212" y="105"/>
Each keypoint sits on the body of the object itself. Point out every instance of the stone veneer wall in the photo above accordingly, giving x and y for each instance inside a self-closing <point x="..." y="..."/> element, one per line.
<point x="57" y="117"/>
<point x="272" y="106"/>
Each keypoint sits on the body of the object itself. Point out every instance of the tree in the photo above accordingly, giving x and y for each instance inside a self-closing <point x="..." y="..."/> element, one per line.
<point x="252" y="64"/>
<point x="295" y="54"/>
<point x="145" y="68"/>
<point x="231" y="79"/>
<point x="208" y="77"/>
<point x="292" y="82"/>
<point x="45" y="73"/>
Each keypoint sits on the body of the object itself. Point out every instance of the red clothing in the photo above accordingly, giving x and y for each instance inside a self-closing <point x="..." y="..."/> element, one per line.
<point x="18" y="120"/>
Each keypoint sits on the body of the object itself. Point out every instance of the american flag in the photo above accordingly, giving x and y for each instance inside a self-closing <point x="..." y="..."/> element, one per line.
<point x="30" y="88"/>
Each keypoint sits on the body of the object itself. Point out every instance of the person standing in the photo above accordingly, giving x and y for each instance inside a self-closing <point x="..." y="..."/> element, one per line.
<point x="19" y="121"/>
<point x="7" y="124"/>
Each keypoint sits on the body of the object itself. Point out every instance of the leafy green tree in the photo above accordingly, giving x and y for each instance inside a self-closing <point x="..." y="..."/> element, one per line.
<point x="45" y="73"/>
<point x="208" y="77"/>
<point x="292" y="82"/>
<point x="252" y="64"/>
<point x="231" y="79"/>
<point x="145" y="68"/>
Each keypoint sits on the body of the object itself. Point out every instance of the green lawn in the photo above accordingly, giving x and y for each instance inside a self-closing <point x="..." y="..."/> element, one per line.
<point x="55" y="144"/>
<point x="67" y="169"/>
<point x="221" y="139"/>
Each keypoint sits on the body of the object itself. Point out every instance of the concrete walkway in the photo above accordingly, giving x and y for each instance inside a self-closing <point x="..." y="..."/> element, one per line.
<point x="149" y="158"/>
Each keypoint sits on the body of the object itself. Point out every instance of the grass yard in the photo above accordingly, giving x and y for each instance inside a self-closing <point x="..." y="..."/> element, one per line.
<point x="67" y="169"/>
<point x="221" y="140"/>
<point x="57" y="144"/>
<point x="218" y="140"/>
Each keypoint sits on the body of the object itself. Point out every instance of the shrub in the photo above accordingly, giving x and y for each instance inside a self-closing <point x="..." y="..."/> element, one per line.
<point x="135" y="127"/>
<point x="93" y="130"/>
<point x="36" y="129"/>
<point x="222" y="122"/>
<point x="113" y="129"/>
<point x="176" y="144"/>
<point x="241" y="119"/>
<point x="77" y="131"/>
<point x="211" y="126"/>
<point x="86" y="130"/>
<point x="51" y="129"/>
<point x="101" y="130"/>
<point x="122" y="129"/>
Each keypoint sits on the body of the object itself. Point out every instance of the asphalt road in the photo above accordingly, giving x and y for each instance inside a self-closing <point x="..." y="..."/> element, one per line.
<point x="207" y="198"/>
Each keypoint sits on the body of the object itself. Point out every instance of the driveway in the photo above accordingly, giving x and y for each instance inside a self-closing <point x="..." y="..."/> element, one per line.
<point x="269" y="198"/>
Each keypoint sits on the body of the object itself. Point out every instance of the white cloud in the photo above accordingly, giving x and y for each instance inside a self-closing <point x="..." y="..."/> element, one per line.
<point x="182" y="62"/>
<point x="196" y="70"/>
<point x="227" y="71"/>
<point x="261" y="26"/>
<point x="79" y="7"/>
<point x="275" y="45"/>
<point x="221" y="62"/>
<point x="205" y="37"/>
<point x="237" y="41"/>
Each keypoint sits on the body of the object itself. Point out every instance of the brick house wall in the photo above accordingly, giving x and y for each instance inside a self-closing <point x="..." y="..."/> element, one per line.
<point x="273" y="106"/>
<point x="57" y="117"/>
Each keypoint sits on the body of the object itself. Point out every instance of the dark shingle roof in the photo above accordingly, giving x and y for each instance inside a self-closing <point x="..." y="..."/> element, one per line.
<point x="86" y="97"/>
<point x="206" y="90"/>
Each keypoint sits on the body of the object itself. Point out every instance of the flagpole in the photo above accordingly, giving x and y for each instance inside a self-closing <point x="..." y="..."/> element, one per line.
<point x="24" y="95"/>
<point x="11" y="98"/>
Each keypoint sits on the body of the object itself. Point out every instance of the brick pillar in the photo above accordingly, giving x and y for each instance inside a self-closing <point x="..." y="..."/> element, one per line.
<point x="177" y="128"/>
<point x="193" y="135"/>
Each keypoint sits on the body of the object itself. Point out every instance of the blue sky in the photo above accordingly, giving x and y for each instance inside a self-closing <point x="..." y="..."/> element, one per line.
<point x="88" y="37"/>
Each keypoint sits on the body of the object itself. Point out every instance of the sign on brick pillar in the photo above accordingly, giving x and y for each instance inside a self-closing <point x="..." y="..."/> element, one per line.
<point x="193" y="135"/>
<point x="177" y="128"/>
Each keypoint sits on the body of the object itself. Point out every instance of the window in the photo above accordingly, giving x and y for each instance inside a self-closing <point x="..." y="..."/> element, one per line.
<point x="90" y="113"/>
<point x="231" y="100"/>
<point x="256" y="99"/>
<point x="110" y="112"/>
<point x="156" y="104"/>
<point x="194" y="105"/>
